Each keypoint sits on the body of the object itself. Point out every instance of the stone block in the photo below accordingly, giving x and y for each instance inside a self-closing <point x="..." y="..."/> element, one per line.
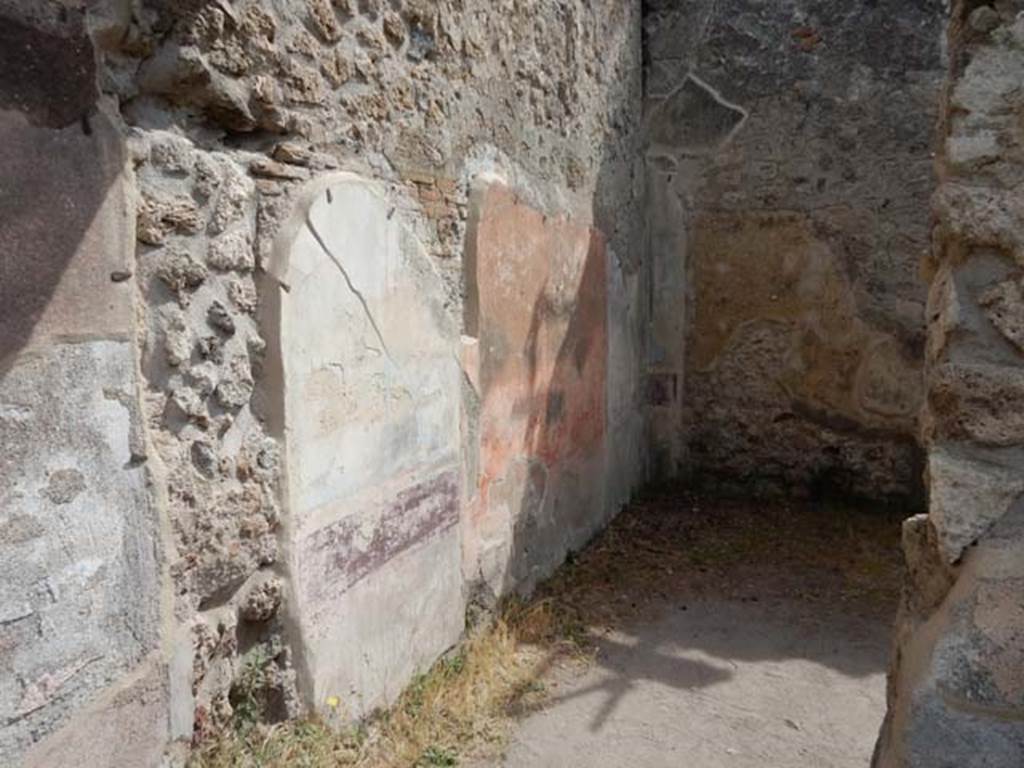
<point x="968" y="495"/>
<point x="984" y="403"/>
<point x="1003" y="305"/>
<point x="990" y="81"/>
<point x="936" y="734"/>
<point x="993" y="664"/>
<point x="983" y="216"/>
<point x="79" y="540"/>
<point x="928" y="575"/>
<point x="945" y="313"/>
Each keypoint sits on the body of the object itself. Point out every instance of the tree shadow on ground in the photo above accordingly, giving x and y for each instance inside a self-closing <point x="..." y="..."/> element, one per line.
<point x="681" y="589"/>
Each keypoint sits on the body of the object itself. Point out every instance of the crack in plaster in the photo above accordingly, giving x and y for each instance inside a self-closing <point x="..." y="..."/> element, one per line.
<point x="348" y="281"/>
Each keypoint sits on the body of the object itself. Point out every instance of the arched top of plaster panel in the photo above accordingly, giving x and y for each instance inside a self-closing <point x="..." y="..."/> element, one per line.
<point x="487" y="165"/>
<point x="336" y="191"/>
<point x="365" y="356"/>
<point x="367" y="385"/>
<point x="277" y="265"/>
<point x="485" y="173"/>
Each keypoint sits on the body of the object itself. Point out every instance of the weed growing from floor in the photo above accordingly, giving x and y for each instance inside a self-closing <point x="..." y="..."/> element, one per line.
<point x="465" y="699"/>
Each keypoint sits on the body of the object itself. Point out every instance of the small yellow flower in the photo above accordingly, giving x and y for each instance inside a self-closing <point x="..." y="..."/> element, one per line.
<point x="333" y="702"/>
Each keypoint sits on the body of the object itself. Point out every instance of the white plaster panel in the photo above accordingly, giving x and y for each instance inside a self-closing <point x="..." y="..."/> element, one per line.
<point x="372" y="402"/>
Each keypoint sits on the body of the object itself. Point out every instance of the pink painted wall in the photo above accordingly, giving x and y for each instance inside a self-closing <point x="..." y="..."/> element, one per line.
<point x="537" y="304"/>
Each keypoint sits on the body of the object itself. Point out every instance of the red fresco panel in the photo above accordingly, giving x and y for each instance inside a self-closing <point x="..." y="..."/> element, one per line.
<point x="540" y="290"/>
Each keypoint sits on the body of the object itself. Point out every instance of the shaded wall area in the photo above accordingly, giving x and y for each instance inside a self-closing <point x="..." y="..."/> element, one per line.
<point x="790" y="152"/>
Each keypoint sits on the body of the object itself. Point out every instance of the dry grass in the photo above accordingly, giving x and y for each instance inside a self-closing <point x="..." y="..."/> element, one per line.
<point x="661" y="549"/>
<point x="467" y="699"/>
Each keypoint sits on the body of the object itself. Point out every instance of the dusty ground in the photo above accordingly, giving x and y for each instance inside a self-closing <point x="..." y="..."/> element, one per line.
<point x="721" y="634"/>
<point x="691" y="634"/>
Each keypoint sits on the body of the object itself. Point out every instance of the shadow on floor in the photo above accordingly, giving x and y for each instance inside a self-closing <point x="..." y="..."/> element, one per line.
<point x="684" y="595"/>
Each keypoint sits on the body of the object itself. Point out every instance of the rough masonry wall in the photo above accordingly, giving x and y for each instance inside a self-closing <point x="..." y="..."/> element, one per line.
<point x="956" y="694"/>
<point x="789" y="147"/>
<point x="227" y="114"/>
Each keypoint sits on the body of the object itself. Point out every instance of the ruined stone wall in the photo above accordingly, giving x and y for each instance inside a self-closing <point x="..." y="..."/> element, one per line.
<point x="789" y="147"/>
<point x="956" y="689"/>
<point x="212" y="126"/>
<point x="82" y="544"/>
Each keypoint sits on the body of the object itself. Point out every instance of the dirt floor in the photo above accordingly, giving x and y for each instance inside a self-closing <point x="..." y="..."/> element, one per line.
<point x="719" y="634"/>
<point x="693" y="633"/>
